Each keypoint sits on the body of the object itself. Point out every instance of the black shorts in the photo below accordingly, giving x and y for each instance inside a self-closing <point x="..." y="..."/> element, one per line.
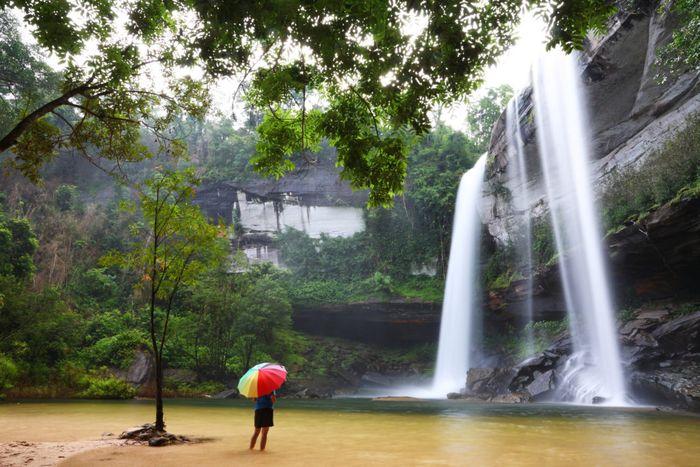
<point x="263" y="418"/>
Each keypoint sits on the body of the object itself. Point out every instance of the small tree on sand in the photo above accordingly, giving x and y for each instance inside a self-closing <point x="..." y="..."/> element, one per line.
<point x="175" y="245"/>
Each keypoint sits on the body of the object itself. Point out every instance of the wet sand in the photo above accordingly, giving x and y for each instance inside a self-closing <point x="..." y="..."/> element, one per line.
<point x="25" y="453"/>
<point x="363" y="433"/>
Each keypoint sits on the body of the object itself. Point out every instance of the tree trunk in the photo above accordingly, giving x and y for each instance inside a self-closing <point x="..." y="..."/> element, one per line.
<point x="160" y="422"/>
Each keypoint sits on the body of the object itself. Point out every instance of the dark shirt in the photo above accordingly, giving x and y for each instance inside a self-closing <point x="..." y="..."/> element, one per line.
<point x="264" y="402"/>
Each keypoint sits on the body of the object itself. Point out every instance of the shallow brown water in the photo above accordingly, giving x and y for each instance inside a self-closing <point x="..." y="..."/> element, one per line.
<point x="363" y="432"/>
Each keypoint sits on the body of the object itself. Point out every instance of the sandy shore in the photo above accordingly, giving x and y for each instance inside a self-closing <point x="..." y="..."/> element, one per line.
<point x="27" y="453"/>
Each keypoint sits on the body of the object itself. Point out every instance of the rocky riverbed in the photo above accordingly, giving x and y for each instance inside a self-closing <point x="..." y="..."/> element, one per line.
<point x="661" y="353"/>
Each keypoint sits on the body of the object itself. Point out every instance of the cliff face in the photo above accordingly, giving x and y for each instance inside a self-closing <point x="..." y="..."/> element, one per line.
<point x="631" y="115"/>
<point x="312" y="184"/>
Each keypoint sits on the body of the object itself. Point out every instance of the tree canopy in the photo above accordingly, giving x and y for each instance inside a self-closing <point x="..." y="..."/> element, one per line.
<point x="359" y="73"/>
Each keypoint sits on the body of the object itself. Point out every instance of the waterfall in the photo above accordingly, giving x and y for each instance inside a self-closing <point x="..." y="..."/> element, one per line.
<point x="460" y="303"/>
<point x="517" y="171"/>
<point x="594" y="369"/>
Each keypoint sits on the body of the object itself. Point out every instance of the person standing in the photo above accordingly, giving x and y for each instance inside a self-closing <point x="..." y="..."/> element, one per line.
<point x="264" y="412"/>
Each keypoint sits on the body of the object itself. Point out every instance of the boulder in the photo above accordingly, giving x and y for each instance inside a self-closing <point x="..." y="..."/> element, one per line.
<point x="227" y="394"/>
<point x="376" y="379"/>
<point x="158" y="441"/>
<point x="135" y="432"/>
<point x="681" y="334"/>
<point x="489" y="381"/>
<point x="542" y="386"/>
<point x="678" y="385"/>
<point x="142" y="369"/>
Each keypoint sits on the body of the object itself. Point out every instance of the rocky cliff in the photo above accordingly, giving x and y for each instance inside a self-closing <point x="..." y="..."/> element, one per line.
<point x="632" y="115"/>
<point x="311" y="184"/>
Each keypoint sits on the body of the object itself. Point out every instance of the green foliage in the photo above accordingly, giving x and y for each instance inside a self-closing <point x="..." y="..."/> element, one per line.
<point x="95" y="289"/>
<point x="685" y="309"/>
<point x="67" y="198"/>
<point x="482" y="114"/>
<point x="544" y="332"/>
<point x="114" y="351"/>
<point x="673" y="170"/>
<point x="544" y="248"/>
<point x="187" y="245"/>
<point x="501" y="268"/>
<point x="106" y="387"/>
<point x="682" y="54"/>
<point x="100" y="104"/>
<point x="513" y="344"/>
<point x="436" y="164"/>
<point x="185" y="389"/>
<point x="18" y="244"/>
<point x="8" y="373"/>
<point x="626" y="314"/>
<point x="227" y="150"/>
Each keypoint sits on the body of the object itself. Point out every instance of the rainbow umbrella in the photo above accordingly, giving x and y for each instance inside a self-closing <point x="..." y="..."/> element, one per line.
<point x="262" y="379"/>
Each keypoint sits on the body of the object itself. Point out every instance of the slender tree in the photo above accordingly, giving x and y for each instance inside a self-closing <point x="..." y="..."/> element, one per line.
<point x="175" y="245"/>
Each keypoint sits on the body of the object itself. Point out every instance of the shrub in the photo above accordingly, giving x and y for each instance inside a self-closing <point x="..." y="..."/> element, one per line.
<point x="109" y="387"/>
<point x="544" y="249"/>
<point x="67" y="198"/>
<point x="544" y="332"/>
<point x="500" y="269"/>
<point x="673" y="169"/>
<point x="184" y="389"/>
<point x="115" y="351"/>
<point x="8" y="373"/>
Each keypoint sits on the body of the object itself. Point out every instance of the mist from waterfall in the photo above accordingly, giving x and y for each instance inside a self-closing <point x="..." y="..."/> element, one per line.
<point x="461" y="304"/>
<point x="594" y="369"/>
<point x="522" y="235"/>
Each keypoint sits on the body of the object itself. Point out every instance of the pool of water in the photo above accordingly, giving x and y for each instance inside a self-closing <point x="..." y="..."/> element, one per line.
<point x="366" y="432"/>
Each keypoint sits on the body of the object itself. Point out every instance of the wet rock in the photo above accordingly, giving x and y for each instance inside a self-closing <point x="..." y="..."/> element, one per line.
<point x="599" y="400"/>
<point x="512" y="398"/>
<point x="678" y="385"/>
<point x="543" y="385"/>
<point x="681" y="334"/>
<point x="159" y="441"/>
<point x="135" y="432"/>
<point x="489" y="381"/>
<point x="455" y="395"/>
<point x="376" y="379"/>
<point x="307" y="393"/>
<point x="142" y="369"/>
<point x="640" y="338"/>
<point x="227" y="394"/>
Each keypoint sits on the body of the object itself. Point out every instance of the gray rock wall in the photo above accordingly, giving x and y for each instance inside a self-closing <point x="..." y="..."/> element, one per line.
<point x="631" y="114"/>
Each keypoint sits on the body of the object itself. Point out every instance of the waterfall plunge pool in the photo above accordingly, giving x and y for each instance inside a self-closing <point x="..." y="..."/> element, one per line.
<point x="366" y="432"/>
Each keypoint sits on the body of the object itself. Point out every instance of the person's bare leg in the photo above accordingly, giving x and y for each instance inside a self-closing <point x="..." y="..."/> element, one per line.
<point x="263" y="440"/>
<point x="254" y="439"/>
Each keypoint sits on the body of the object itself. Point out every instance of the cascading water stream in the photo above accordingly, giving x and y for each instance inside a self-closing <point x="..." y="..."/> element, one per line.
<point x="517" y="171"/>
<point x="594" y="369"/>
<point x="460" y="304"/>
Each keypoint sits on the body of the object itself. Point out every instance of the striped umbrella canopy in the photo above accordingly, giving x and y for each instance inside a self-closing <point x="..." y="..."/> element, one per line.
<point x="262" y="379"/>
